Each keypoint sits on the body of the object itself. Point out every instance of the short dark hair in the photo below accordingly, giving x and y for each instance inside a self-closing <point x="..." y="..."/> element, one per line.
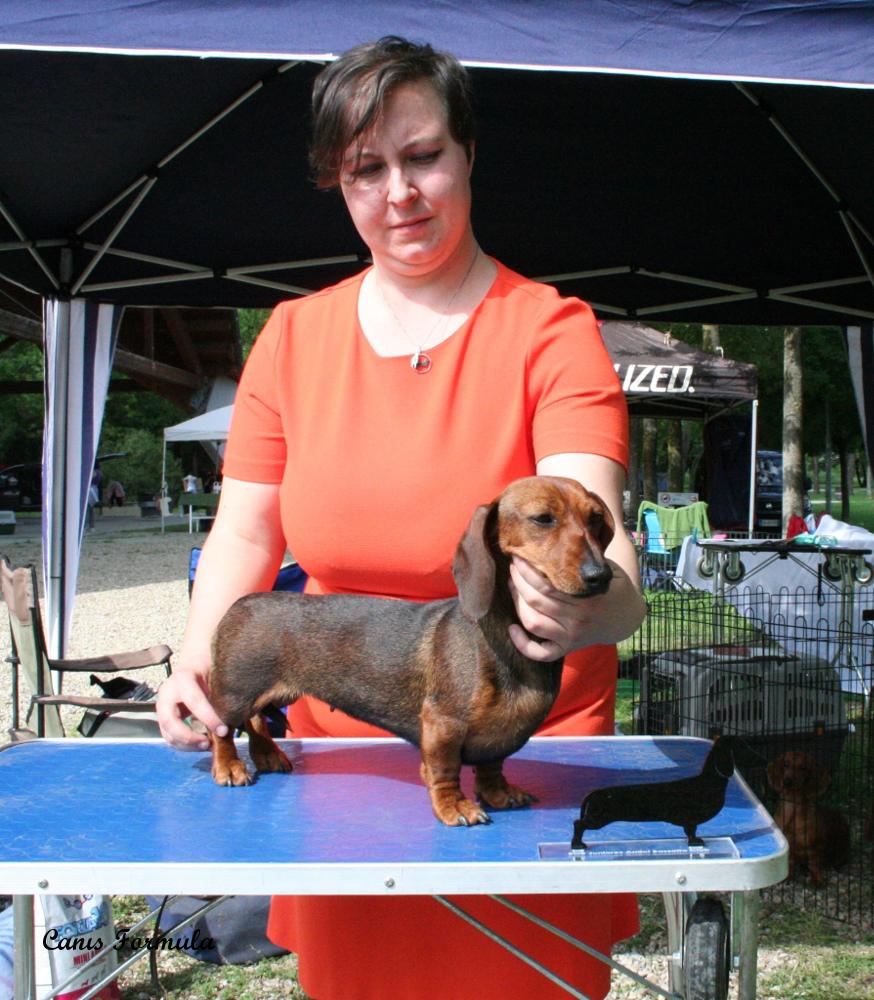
<point x="350" y="94"/>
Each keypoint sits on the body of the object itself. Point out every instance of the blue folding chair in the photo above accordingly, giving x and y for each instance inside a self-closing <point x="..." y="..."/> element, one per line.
<point x="291" y="577"/>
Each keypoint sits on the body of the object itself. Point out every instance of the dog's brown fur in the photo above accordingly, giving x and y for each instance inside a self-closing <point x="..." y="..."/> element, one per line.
<point x="443" y="675"/>
<point x="818" y="836"/>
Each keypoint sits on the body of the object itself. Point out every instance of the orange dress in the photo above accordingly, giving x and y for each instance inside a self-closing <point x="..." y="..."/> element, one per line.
<point x="379" y="470"/>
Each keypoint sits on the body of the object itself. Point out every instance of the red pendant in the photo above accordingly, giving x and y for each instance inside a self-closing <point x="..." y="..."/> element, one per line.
<point x="420" y="363"/>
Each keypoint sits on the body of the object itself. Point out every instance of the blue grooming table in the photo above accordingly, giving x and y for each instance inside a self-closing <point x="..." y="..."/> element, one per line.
<point x="137" y="817"/>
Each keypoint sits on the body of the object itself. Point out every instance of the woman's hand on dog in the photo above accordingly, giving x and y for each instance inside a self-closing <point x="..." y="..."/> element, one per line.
<point x="561" y="622"/>
<point x="184" y="695"/>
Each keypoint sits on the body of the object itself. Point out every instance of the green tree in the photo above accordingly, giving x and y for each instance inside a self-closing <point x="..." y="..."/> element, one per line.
<point x="21" y="414"/>
<point x="251" y="321"/>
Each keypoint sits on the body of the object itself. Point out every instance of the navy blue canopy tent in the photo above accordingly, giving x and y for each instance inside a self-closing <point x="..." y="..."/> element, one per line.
<point x="664" y="160"/>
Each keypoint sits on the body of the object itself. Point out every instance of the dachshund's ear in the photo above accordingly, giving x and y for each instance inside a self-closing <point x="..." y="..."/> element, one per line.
<point x="775" y="774"/>
<point x="474" y="566"/>
<point x="608" y="525"/>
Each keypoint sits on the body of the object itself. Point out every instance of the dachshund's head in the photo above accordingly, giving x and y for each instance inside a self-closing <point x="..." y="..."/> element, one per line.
<point x="796" y="776"/>
<point x="555" y="524"/>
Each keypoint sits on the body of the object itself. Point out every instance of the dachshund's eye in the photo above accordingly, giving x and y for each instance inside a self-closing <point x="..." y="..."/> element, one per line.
<point x="545" y="520"/>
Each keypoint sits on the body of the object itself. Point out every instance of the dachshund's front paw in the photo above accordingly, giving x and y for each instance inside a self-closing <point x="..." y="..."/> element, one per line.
<point x="456" y="810"/>
<point x="466" y="813"/>
<point x="271" y="761"/>
<point x="230" y="773"/>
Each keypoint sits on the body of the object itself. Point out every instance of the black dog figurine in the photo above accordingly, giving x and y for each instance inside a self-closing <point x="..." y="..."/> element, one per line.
<point x="686" y="802"/>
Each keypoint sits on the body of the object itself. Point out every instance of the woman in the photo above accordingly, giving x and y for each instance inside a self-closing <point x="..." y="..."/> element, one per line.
<point x="371" y="419"/>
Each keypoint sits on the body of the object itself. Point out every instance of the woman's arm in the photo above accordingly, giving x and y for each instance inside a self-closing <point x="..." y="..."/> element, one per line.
<point x="242" y="554"/>
<point x="566" y="623"/>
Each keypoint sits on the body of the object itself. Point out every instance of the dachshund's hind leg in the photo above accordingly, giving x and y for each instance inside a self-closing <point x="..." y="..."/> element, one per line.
<point x="495" y="791"/>
<point x="265" y="754"/>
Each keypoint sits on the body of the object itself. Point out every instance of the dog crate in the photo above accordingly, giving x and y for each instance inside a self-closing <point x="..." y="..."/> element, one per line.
<point x="774" y="701"/>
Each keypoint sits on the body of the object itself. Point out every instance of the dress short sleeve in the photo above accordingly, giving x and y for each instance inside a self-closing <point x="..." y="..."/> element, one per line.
<point x="256" y="449"/>
<point x="578" y="401"/>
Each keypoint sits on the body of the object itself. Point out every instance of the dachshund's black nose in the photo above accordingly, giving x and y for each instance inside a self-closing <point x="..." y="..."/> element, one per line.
<point x="596" y="576"/>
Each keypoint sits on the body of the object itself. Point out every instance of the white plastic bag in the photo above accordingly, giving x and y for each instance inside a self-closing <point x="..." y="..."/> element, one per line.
<point x="78" y="928"/>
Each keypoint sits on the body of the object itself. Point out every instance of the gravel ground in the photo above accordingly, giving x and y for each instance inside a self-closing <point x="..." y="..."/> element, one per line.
<point x="133" y="594"/>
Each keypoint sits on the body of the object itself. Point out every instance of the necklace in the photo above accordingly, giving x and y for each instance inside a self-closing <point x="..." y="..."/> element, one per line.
<point x="420" y="362"/>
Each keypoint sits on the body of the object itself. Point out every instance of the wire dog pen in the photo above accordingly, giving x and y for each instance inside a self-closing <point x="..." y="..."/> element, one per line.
<point x="792" y="682"/>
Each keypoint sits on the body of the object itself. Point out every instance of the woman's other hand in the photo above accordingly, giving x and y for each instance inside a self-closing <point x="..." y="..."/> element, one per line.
<point x="241" y="555"/>
<point x="185" y="694"/>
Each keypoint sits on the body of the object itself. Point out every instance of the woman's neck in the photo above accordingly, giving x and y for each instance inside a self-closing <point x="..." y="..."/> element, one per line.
<point x="401" y="313"/>
<point x="432" y="287"/>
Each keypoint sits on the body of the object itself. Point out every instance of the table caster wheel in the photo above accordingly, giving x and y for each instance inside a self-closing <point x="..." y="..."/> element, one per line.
<point x="704" y="566"/>
<point x="863" y="572"/>
<point x="831" y="570"/>
<point x="706" y="952"/>
<point x="734" y="573"/>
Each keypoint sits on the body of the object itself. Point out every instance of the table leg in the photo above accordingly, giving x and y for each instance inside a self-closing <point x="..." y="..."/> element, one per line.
<point x="677" y="906"/>
<point x="748" y="943"/>
<point x="25" y="973"/>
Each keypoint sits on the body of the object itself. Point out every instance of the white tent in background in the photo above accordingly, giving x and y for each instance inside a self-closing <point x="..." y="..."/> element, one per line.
<point x="210" y="427"/>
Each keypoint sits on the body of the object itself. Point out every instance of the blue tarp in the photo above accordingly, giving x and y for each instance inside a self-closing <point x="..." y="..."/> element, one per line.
<point x="663" y="181"/>
<point x="808" y="41"/>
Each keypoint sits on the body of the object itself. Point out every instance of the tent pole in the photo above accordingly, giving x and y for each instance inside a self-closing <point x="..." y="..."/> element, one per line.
<point x="58" y="511"/>
<point x="164" y="494"/>
<point x="754" y="444"/>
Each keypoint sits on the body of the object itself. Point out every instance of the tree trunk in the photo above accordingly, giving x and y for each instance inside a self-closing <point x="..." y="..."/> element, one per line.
<point x="648" y="459"/>
<point x="676" y="466"/>
<point x="793" y="458"/>
<point x="846" y="484"/>
<point x="710" y="338"/>
<point x="829" y="457"/>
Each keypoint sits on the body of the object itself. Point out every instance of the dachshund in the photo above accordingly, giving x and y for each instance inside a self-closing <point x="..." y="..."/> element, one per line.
<point x="818" y="836"/>
<point x="443" y="675"/>
<point x="685" y="802"/>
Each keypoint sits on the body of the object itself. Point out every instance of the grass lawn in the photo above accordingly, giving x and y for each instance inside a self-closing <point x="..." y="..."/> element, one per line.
<point x="861" y="508"/>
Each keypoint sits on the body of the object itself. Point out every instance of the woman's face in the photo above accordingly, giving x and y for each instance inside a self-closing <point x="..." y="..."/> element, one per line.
<point x="408" y="192"/>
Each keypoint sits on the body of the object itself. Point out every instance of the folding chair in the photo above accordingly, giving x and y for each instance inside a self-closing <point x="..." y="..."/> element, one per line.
<point x="131" y="715"/>
<point x="291" y="577"/>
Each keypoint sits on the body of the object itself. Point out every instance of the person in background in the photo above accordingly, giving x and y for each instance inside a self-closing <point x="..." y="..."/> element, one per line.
<point x="93" y="495"/>
<point x="115" y="494"/>
<point x="370" y="421"/>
